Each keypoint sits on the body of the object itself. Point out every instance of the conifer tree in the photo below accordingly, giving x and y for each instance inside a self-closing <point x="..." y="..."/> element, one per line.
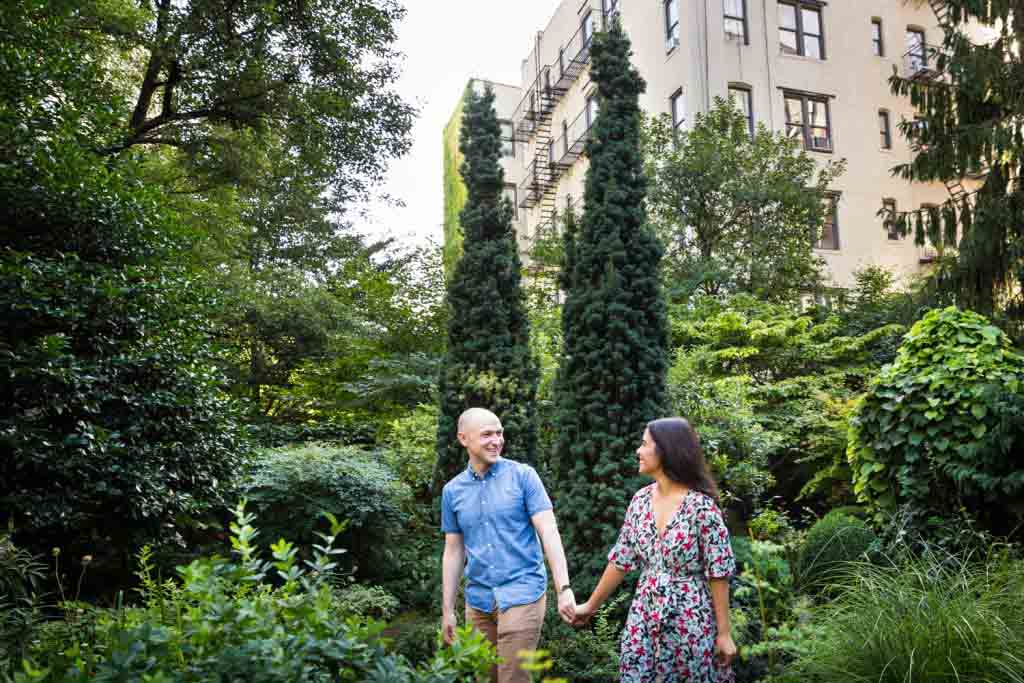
<point x="612" y="378"/>
<point x="488" y="362"/>
<point x="967" y="93"/>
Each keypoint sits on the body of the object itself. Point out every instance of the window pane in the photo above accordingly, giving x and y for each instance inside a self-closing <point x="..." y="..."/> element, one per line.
<point x="734" y="27"/>
<point x="812" y="21"/>
<point x="787" y="42"/>
<point x="817" y="113"/>
<point x="672" y="12"/>
<point x="812" y="46"/>
<point x="677" y="109"/>
<point x="787" y="17"/>
<point x="734" y="8"/>
<point x="794" y="110"/>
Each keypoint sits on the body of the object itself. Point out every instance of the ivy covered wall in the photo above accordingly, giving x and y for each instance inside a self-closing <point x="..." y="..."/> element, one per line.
<point x="454" y="188"/>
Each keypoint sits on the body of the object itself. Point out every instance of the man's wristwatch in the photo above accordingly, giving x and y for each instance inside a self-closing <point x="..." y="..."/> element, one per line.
<point x="564" y="588"/>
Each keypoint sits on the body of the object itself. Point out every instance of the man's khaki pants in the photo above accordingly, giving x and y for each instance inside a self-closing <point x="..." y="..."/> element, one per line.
<point x="515" y="629"/>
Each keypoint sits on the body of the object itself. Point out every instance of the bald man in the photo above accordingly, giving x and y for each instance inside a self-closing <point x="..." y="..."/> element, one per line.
<point x="492" y="515"/>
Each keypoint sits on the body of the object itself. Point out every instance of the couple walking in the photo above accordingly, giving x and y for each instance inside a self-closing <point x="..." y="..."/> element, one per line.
<point x="497" y="516"/>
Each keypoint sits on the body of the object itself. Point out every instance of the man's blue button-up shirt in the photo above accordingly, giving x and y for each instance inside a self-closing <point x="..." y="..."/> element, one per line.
<point x="504" y="558"/>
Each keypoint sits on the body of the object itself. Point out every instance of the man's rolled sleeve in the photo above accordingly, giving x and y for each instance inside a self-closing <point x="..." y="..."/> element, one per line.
<point x="449" y="520"/>
<point x="534" y="493"/>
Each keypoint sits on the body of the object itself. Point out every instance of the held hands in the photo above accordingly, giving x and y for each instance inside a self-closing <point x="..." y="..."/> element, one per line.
<point x="567" y="606"/>
<point x="725" y="649"/>
<point x="448" y="627"/>
<point x="584" y="613"/>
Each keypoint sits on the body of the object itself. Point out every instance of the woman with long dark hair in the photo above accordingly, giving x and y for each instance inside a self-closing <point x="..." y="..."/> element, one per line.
<point x="678" y="628"/>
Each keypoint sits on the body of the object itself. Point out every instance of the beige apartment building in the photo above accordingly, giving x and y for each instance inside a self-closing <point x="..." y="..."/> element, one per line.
<point x="815" y="70"/>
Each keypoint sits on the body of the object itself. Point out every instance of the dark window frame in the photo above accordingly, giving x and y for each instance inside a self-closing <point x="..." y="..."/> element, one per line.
<point x="672" y="37"/>
<point x="832" y="198"/>
<point x="592" y="107"/>
<point x="511" y="141"/>
<point x="673" y="107"/>
<point x="588" y="28"/>
<point x="798" y="7"/>
<point x="805" y="98"/>
<point x="748" y="93"/>
<point x="889" y="220"/>
<point x="610" y="9"/>
<point x="885" y="128"/>
<point x="741" y="19"/>
<point x="877" y="41"/>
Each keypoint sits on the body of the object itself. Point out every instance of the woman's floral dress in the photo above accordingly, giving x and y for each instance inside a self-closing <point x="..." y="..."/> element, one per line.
<point x="670" y="633"/>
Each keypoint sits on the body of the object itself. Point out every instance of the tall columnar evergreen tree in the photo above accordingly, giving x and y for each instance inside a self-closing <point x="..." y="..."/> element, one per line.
<point x="488" y="361"/>
<point x="612" y="379"/>
<point x="968" y="95"/>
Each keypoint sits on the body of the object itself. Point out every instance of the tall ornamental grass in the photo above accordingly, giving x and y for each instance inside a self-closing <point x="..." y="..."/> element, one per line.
<point x="929" y="621"/>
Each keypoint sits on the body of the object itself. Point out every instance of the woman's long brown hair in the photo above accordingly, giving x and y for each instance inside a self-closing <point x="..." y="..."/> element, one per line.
<point x="682" y="458"/>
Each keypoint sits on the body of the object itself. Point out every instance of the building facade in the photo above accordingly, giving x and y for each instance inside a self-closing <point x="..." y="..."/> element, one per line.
<point x="814" y="70"/>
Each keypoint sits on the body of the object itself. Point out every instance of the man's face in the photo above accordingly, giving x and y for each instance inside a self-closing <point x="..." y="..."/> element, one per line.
<point x="484" y="440"/>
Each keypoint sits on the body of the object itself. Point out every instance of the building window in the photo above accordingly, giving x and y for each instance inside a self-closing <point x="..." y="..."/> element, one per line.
<point x="736" y="19"/>
<point x="742" y="99"/>
<point x="800" y="29"/>
<point x="877" y="44"/>
<point x="508" y="139"/>
<point x="611" y="10"/>
<point x="551" y="152"/>
<point x="884" y="129"/>
<point x="889" y="219"/>
<point x="917" y="54"/>
<point x="671" y="24"/>
<point x="591" y="111"/>
<point x="829" y="237"/>
<point x="809" y="120"/>
<point x="509" y="192"/>
<point x="677" y="107"/>
<point x="587" y="27"/>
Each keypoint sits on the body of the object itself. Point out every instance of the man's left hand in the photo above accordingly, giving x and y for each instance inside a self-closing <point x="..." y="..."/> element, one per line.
<point x="567" y="606"/>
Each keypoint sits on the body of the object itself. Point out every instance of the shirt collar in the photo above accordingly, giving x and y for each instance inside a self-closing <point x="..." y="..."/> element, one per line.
<point x="491" y="471"/>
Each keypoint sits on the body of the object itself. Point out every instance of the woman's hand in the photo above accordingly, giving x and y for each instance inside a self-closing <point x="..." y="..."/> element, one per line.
<point x="725" y="649"/>
<point x="584" y="613"/>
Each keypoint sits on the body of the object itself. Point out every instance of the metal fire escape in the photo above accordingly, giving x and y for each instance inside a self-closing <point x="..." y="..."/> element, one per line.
<point x="533" y="119"/>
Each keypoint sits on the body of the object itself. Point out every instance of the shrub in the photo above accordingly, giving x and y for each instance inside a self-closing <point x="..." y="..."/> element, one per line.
<point x="412" y="448"/>
<point x="938" y="428"/>
<point x="590" y="655"/>
<point x="291" y="487"/>
<point x="938" y="619"/>
<point x="833" y="541"/>
<point x="360" y="600"/>
<point x="224" y="622"/>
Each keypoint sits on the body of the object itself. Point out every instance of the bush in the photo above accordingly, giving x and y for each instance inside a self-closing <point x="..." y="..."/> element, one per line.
<point x="291" y="487"/>
<point x="939" y="427"/>
<point x="590" y="655"/>
<point x="360" y="600"/>
<point x="412" y="448"/>
<point x="938" y="619"/>
<point x="224" y="622"/>
<point x="833" y="541"/>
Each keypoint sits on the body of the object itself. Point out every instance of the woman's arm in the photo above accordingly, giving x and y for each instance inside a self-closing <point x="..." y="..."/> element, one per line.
<point x="610" y="580"/>
<point x="720" y="600"/>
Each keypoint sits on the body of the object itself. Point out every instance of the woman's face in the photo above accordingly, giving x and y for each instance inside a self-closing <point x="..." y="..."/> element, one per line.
<point x="650" y="463"/>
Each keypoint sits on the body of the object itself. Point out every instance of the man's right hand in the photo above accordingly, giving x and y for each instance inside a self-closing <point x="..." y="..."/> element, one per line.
<point x="448" y="627"/>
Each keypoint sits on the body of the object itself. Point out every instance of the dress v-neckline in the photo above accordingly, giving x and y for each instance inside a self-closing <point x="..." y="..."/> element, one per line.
<point x="660" y="534"/>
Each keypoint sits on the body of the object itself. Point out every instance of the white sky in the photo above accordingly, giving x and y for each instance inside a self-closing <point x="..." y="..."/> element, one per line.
<point x="447" y="42"/>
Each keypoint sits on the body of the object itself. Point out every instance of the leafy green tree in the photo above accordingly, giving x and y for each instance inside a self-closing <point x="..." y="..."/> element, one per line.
<point x="969" y="107"/>
<point x="488" y="362"/>
<point x="612" y="378"/>
<point x="737" y="212"/>
<point x="941" y="428"/>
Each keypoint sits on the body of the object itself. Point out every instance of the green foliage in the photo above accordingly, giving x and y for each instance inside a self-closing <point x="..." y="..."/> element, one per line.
<point x="833" y="541"/>
<point x="489" y="363"/>
<point x="361" y="600"/>
<point x="769" y="389"/>
<point x="590" y="655"/>
<point x="224" y="621"/>
<point x="614" y="322"/>
<point x="737" y="211"/>
<point x="291" y="487"/>
<point x="411" y="453"/>
<point x="942" y="426"/>
<point x="114" y="421"/>
<point x="455" y="194"/>
<point x="969" y="127"/>
<point x="936" y="619"/>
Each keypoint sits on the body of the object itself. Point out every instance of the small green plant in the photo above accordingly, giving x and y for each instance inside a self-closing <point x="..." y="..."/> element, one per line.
<point x="244" y="618"/>
<point x="939" y="618"/>
<point x="834" y="540"/>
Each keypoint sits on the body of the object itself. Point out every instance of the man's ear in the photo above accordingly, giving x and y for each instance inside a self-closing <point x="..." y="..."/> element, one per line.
<point x="462" y="438"/>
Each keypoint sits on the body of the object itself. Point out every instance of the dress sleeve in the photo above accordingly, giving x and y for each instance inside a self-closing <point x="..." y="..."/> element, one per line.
<point x="623" y="553"/>
<point x="713" y="540"/>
